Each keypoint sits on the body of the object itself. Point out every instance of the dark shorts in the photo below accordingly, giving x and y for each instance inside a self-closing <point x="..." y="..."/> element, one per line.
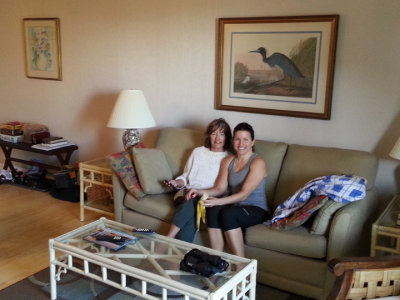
<point x="228" y="217"/>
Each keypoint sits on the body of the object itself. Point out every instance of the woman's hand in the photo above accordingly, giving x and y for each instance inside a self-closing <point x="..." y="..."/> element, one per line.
<point x="170" y="184"/>
<point x="210" y="202"/>
<point x="174" y="184"/>
<point x="191" y="194"/>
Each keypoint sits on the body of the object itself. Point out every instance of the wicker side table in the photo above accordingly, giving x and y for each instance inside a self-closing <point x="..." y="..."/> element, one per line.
<point x="93" y="173"/>
<point x="385" y="231"/>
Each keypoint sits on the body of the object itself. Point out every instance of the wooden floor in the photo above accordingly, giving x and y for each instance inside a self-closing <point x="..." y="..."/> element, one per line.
<point x="28" y="219"/>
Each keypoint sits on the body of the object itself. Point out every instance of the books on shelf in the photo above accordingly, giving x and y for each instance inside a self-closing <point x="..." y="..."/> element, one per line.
<point x="12" y="132"/>
<point x="54" y="146"/>
<point x="53" y="140"/>
<point x="11" y="138"/>
<point x="110" y="238"/>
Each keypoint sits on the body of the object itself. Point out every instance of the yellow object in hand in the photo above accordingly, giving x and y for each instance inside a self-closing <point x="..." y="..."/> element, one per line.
<point x="201" y="211"/>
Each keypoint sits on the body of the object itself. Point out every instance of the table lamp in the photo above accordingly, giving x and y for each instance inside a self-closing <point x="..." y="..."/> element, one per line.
<point x="131" y="112"/>
<point x="395" y="153"/>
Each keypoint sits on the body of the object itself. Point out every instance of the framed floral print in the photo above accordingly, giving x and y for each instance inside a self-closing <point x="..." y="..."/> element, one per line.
<point x="42" y="48"/>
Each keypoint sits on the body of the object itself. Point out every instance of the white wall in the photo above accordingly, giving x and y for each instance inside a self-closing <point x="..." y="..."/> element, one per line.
<point x="167" y="49"/>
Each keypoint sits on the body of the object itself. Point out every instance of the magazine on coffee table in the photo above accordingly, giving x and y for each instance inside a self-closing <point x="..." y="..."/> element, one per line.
<point x="110" y="238"/>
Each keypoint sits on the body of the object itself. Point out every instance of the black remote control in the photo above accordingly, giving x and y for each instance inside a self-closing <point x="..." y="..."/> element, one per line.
<point x="112" y="239"/>
<point x="170" y="185"/>
<point x="143" y="230"/>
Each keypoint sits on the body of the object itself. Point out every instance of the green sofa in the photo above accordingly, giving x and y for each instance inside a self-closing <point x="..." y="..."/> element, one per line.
<point x="293" y="260"/>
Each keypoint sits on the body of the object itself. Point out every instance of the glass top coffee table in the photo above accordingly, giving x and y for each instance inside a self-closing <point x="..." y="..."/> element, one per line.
<point x="149" y="267"/>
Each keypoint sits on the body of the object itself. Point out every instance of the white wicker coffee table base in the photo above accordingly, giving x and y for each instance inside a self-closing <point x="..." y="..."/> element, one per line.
<point x="151" y="261"/>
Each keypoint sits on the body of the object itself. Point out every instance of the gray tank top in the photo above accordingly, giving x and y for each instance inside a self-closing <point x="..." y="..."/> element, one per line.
<point x="236" y="180"/>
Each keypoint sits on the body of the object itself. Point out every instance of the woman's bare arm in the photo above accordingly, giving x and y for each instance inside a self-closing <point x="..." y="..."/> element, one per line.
<point x="256" y="174"/>
<point x="220" y="185"/>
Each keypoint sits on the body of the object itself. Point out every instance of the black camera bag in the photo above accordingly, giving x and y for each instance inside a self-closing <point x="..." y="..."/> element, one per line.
<point x="201" y="263"/>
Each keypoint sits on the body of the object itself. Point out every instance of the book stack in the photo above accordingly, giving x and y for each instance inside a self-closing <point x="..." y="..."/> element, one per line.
<point x="54" y="142"/>
<point x="11" y="132"/>
<point x="51" y="143"/>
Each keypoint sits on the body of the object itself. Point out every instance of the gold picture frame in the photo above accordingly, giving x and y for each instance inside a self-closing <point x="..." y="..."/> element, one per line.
<point x="42" y="48"/>
<point x="276" y="65"/>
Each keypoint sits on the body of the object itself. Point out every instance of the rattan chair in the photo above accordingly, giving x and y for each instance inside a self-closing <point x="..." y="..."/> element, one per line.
<point x="365" y="277"/>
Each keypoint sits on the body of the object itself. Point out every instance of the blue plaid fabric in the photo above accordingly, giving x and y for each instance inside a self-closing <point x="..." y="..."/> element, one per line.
<point x="340" y="188"/>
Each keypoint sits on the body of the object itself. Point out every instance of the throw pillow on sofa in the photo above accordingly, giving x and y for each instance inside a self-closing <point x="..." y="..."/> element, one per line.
<point x="300" y="216"/>
<point x="122" y="165"/>
<point x="323" y="218"/>
<point x="152" y="168"/>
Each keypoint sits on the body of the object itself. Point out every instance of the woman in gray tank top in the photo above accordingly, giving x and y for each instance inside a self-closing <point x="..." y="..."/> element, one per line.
<point x="244" y="177"/>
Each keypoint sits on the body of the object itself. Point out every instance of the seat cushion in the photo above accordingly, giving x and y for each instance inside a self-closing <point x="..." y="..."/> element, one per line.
<point x="159" y="206"/>
<point x="297" y="241"/>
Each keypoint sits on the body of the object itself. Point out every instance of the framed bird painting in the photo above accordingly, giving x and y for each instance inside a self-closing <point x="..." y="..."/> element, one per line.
<point x="277" y="65"/>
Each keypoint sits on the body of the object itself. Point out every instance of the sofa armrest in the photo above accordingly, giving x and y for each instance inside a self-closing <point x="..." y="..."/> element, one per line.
<point x="119" y="192"/>
<point x="350" y="231"/>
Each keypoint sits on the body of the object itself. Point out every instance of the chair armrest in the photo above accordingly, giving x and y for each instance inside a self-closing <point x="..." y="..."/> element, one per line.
<point x="340" y="265"/>
<point x="364" y="277"/>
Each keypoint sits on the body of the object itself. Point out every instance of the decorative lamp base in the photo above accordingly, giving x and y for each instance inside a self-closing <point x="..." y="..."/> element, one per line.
<point x="130" y="138"/>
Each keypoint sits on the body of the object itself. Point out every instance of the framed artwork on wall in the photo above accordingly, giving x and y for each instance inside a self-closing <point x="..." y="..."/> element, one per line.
<point x="276" y="65"/>
<point x="42" y="48"/>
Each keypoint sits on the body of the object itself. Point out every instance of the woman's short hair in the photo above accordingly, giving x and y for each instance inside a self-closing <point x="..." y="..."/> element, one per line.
<point x="244" y="127"/>
<point x="218" y="124"/>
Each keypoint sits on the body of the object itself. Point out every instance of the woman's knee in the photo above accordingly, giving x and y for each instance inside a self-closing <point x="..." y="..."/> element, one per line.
<point x="230" y="218"/>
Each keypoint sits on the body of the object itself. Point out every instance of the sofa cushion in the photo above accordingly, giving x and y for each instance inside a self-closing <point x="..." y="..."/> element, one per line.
<point x="177" y="144"/>
<point x="301" y="215"/>
<point x="323" y="218"/>
<point x="152" y="168"/>
<point x="273" y="154"/>
<point x="159" y="206"/>
<point x="303" y="163"/>
<point x="297" y="241"/>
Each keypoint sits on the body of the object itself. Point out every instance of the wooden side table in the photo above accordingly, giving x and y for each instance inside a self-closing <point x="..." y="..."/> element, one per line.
<point x="386" y="230"/>
<point x="93" y="173"/>
<point x="63" y="155"/>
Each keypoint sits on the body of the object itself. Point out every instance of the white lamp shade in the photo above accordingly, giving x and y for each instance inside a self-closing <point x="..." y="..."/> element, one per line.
<point x="395" y="153"/>
<point x="131" y="111"/>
